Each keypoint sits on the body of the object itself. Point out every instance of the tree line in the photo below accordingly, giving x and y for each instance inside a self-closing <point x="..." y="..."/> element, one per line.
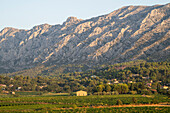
<point x="130" y="78"/>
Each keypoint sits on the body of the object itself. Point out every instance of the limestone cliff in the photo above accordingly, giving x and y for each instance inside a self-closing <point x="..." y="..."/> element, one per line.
<point x="129" y="33"/>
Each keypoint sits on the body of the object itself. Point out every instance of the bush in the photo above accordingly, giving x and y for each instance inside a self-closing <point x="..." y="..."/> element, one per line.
<point x="155" y="92"/>
<point x="72" y="94"/>
<point x="154" y="101"/>
<point x="133" y="92"/>
<point x="146" y="92"/>
<point x="134" y="100"/>
<point x="104" y="93"/>
<point x="163" y="91"/>
<point x="90" y="94"/>
<point x="119" y="102"/>
<point x="108" y="93"/>
<point x="99" y="93"/>
<point x="115" y="93"/>
<point x="74" y="106"/>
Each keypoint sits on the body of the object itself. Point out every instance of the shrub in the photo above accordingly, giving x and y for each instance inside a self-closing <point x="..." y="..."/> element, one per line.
<point x="104" y="93"/>
<point x="90" y="94"/>
<point x="72" y="94"/>
<point x="133" y="92"/>
<point x="154" y="101"/>
<point x="134" y="100"/>
<point x="113" y="93"/>
<point x="119" y="102"/>
<point x="146" y="92"/>
<point x="108" y="93"/>
<point x="100" y="93"/>
<point x="74" y="106"/>
<point x="116" y="93"/>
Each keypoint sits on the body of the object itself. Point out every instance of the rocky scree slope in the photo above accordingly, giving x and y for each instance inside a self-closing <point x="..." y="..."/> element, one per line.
<point x="129" y="33"/>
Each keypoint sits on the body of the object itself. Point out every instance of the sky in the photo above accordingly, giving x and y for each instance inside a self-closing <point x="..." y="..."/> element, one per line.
<point x="25" y="14"/>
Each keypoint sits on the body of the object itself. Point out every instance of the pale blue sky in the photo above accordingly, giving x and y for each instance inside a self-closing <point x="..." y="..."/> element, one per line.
<point x="24" y="14"/>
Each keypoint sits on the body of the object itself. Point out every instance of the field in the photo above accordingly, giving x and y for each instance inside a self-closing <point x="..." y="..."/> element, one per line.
<point x="106" y="103"/>
<point x="118" y="110"/>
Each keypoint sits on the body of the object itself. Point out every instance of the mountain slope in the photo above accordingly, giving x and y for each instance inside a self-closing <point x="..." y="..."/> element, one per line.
<point x="129" y="33"/>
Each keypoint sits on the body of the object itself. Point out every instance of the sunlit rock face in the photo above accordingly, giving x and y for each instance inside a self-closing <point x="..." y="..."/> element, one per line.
<point x="129" y="33"/>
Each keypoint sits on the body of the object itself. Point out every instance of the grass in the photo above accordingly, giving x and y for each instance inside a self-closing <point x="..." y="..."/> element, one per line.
<point x="28" y="93"/>
<point x="32" y="94"/>
<point x="52" y="102"/>
<point x="53" y="108"/>
<point x="56" y="94"/>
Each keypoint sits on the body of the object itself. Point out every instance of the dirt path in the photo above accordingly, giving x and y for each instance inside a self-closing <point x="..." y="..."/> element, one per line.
<point x="141" y="105"/>
<point x="115" y="106"/>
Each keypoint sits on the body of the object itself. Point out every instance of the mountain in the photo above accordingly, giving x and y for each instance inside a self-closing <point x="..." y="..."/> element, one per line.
<point x="126" y="34"/>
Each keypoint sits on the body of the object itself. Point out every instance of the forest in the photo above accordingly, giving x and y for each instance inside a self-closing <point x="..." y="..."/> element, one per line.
<point x="122" y="78"/>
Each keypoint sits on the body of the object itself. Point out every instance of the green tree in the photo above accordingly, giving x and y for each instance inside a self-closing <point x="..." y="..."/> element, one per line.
<point x="158" y="87"/>
<point x="100" y="88"/>
<point x="108" y="88"/>
<point x="119" y="102"/>
<point x="122" y="88"/>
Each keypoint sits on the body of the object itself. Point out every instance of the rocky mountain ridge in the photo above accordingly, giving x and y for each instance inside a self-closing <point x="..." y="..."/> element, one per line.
<point x="129" y="33"/>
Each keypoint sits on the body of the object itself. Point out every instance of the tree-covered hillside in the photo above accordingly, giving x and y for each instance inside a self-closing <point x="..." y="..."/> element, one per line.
<point x="139" y="76"/>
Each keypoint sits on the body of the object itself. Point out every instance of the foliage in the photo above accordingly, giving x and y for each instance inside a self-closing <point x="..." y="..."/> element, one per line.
<point x="133" y="92"/>
<point x="134" y="76"/>
<point x="122" y="88"/>
<point x="119" y="110"/>
<point x="134" y="100"/>
<point x="119" y="102"/>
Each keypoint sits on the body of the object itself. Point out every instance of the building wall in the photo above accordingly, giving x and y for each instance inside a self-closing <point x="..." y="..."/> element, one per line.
<point x="81" y="93"/>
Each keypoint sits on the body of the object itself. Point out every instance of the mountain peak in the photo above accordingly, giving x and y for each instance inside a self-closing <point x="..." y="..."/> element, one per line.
<point x="72" y="20"/>
<point x="9" y="28"/>
<point x="129" y="33"/>
<point x="42" y="26"/>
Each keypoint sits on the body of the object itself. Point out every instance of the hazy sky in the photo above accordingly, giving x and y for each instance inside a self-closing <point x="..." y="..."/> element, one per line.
<point x="25" y="14"/>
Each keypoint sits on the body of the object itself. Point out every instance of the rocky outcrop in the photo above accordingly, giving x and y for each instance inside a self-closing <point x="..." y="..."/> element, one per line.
<point x="129" y="33"/>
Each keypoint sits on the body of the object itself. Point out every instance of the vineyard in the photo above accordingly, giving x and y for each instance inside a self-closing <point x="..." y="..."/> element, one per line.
<point x="118" y="110"/>
<point x="84" y="104"/>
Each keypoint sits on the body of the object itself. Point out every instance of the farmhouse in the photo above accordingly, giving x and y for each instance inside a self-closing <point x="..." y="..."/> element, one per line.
<point x="93" y="76"/>
<point x="149" y="85"/>
<point x="164" y="87"/>
<point x="13" y="93"/>
<point x="135" y="75"/>
<point x="18" y="88"/>
<point x="81" y="93"/>
<point x="116" y="82"/>
<point x="2" y="85"/>
<point x="11" y="85"/>
<point x="130" y="81"/>
<point x="5" y="92"/>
